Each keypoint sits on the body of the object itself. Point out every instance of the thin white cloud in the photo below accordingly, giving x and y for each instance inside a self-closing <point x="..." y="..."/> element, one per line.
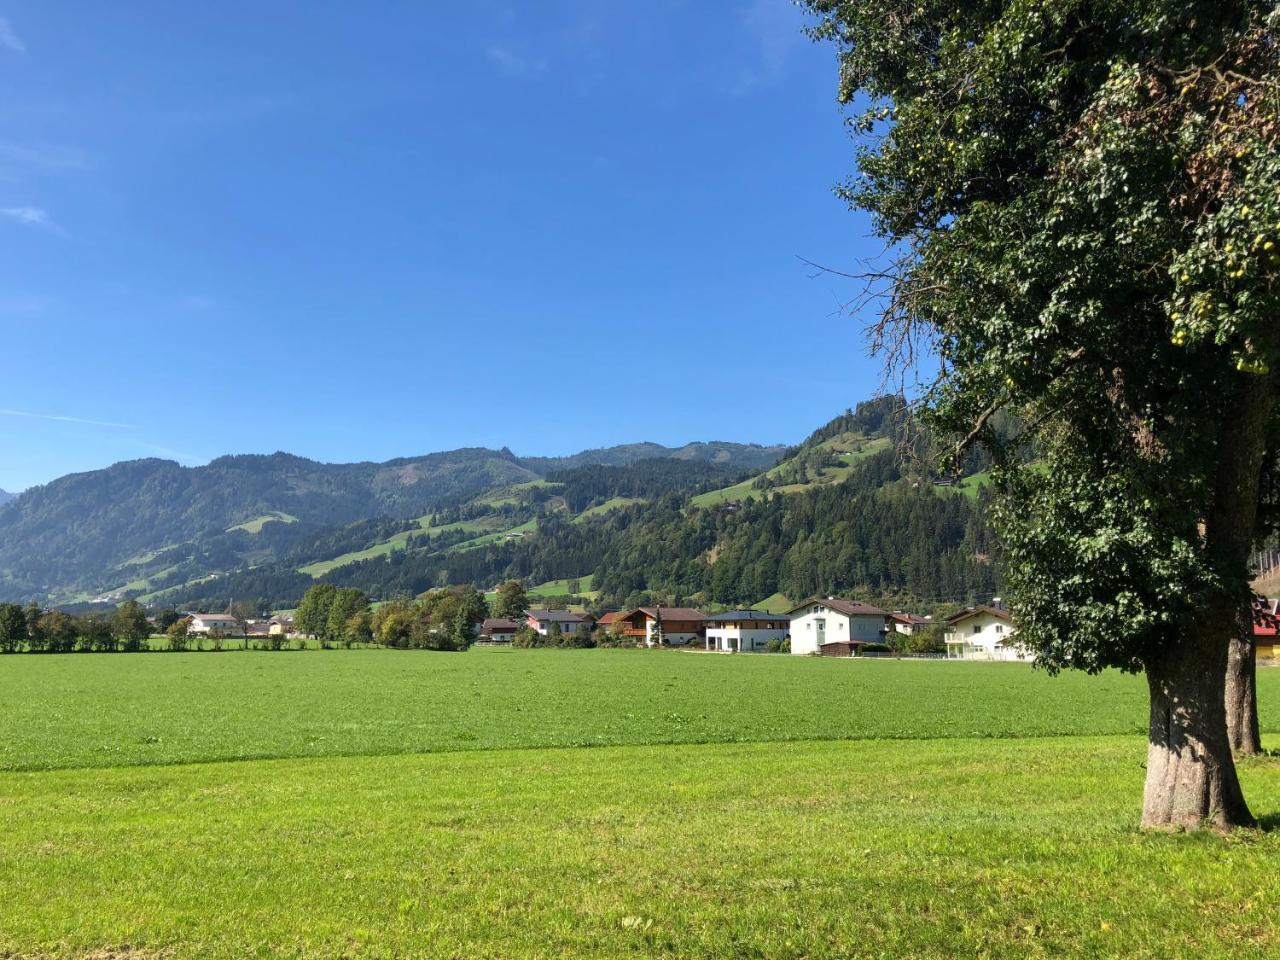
<point x="774" y="30"/>
<point x="41" y="158"/>
<point x="30" y="217"/>
<point x="51" y="416"/>
<point x="513" y="64"/>
<point x="9" y="39"/>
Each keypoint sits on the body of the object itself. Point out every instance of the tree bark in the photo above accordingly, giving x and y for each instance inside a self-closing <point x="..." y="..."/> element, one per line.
<point x="1191" y="774"/>
<point x="1242" y="697"/>
<point x="1191" y="777"/>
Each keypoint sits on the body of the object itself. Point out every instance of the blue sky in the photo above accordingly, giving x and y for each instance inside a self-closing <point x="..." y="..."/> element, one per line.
<point x="335" y="228"/>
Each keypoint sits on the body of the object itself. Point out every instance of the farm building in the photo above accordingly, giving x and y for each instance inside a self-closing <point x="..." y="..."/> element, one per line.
<point x="280" y="625"/>
<point x="675" y="626"/>
<point x="497" y="630"/>
<point x="744" y="631"/>
<point x="568" y="622"/>
<point x="983" y="633"/>
<point x="840" y="625"/>
<point x="206" y="623"/>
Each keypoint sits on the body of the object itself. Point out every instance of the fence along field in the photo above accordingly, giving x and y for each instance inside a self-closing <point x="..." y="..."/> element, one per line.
<point x="1002" y="825"/>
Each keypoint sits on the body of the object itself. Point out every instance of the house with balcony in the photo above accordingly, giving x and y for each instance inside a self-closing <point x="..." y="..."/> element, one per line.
<point x="744" y="631"/>
<point x="984" y="633"/>
<point x="662" y="626"/>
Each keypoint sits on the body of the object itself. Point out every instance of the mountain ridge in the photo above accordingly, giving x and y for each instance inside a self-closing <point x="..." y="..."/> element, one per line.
<point x="78" y="535"/>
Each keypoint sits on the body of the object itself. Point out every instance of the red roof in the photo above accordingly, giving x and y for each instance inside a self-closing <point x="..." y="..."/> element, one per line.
<point x="1266" y="617"/>
<point x="612" y="617"/>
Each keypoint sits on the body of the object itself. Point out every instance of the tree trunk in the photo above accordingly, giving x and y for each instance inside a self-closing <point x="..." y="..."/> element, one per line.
<point x="1191" y="777"/>
<point x="1242" y="697"/>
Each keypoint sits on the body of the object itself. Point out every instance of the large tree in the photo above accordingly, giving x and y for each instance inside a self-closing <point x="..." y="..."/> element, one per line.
<point x="130" y="625"/>
<point x="312" y="615"/>
<point x="511" y="601"/>
<point x="1081" y="209"/>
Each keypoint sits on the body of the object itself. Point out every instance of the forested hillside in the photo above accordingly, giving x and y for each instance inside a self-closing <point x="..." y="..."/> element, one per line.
<point x="147" y="525"/>
<point x="852" y="509"/>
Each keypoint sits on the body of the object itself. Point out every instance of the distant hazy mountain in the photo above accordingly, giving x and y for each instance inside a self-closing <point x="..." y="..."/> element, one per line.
<point x="6" y="496"/>
<point x="148" y="521"/>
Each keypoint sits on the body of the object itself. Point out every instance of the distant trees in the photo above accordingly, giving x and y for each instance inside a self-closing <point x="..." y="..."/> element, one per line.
<point x="345" y="607"/>
<point x="131" y="626"/>
<point x="442" y="619"/>
<point x="511" y="601"/>
<point x="166" y="618"/>
<point x="312" y="616"/>
<point x="13" y="628"/>
<point x="242" y="611"/>
<point x="179" y="634"/>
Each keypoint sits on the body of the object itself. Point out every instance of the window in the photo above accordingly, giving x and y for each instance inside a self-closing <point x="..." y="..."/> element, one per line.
<point x="976" y="628"/>
<point x="999" y="628"/>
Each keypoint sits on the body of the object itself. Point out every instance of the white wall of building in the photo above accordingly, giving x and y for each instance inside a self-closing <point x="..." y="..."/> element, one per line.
<point x="984" y="636"/>
<point x="743" y="640"/>
<point x="672" y="639"/>
<point x="817" y="624"/>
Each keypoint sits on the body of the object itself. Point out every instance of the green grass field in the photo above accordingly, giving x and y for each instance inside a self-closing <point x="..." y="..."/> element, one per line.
<point x="257" y="523"/>
<point x="760" y="806"/>
<point x="849" y="447"/>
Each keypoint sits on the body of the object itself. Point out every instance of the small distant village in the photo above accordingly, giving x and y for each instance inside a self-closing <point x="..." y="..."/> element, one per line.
<point x="820" y="626"/>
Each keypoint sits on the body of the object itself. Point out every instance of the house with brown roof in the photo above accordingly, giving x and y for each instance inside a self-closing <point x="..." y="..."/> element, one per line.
<point x="835" y="627"/>
<point x="983" y="633"/>
<point x="662" y="626"/>
<point x="607" y="620"/>
<point x="497" y="630"/>
<point x="907" y="623"/>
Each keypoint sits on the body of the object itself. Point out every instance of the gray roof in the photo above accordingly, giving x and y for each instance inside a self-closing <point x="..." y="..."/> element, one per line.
<point x="557" y="616"/>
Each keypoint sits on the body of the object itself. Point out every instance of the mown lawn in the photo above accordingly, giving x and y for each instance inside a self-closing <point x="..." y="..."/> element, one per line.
<point x="942" y="848"/>
<point x="751" y="806"/>
<point x="113" y="709"/>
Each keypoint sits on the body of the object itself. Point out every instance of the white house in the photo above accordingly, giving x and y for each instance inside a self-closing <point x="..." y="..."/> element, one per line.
<point x="983" y="633"/>
<point x="835" y="627"/>
<point x="496" y="630"/>
<point x="744" y="630"/>
<point x="208" y="622"/>
<point x="569" y="623"/>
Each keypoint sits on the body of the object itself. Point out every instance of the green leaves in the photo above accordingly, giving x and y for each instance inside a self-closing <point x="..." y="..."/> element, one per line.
<point x="1085" y="192"/>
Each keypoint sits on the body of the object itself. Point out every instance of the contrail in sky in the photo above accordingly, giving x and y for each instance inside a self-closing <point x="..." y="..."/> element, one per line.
<point x="50" y="416"/>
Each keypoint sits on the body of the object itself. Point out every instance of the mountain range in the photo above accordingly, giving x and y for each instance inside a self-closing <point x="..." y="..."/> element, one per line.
<point x="119" y="530"/>
<point x="853" y="508"/>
